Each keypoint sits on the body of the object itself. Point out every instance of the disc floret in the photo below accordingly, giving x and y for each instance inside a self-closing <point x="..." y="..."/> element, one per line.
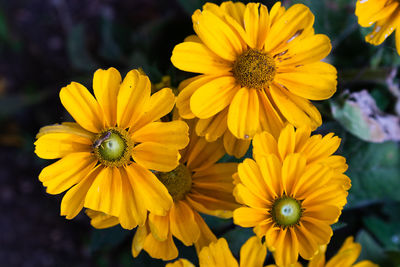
<point x="113" y="147"/>
<point x="254" y="69"/>
<point x="178" y="181"/>
<point x="286" y="211"/>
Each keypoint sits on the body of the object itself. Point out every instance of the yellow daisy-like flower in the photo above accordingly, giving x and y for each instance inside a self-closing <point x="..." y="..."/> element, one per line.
<point x="293" y="191"/>
<point x="218" y="254"/>
<point x="198" y="184"/>
<point x="259" y="69"/>
<point x="106" y="155"/>
<point x="386" y="16"/>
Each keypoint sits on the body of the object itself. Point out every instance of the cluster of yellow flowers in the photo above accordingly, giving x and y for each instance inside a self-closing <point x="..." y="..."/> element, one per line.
<point x="126" y="162"/>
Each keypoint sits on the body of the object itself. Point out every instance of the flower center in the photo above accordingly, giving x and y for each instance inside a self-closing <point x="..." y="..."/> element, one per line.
<point x="254" y="69"/>
<point x="178" y="181"/>
<point x="286" y="211"/>
<point x="113" y="147"/>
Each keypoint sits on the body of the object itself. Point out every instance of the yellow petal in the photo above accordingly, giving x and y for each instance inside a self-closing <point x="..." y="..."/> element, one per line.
<point x="206" y="235"/>
<point x="217" y="254"/>
<point x="202" y="154"/>
<point x="256" y="22"/>
<point x="213" y="96"/>
<point x="293" y="167"/>
<point x="156" y="156"/>
<point x="66" y="127"/>
<point x="245" y="196"/>
<point x="235" y="10"/>
<point x="318" y="148"/>
<point x="307" y="50"/>
<point x="138" y="240"/>
<point x="250" y="175"/>
<point x="263" y="144"/>
<point x="271" y="168"/>
<point x="368" y="12"/>
<point x="165" y="250"/>
<point x="58" y="145"/>
<point x="321" y="231"/>
<point x="106" y="84"/>
<point x="297" y="18"/>
<point x="316" y="81"/>
<point x="323" y="212"/>
<point x="243" y="115"/>
<point x="217" y="36"/>
<point x="171" y="134"/>
<point x="133" y="211"/>
<point x="308" y="247"/>
<point x="297" y="110"/>
<point x="160" y="104"/>
<point x="105" y="194"/>
<point x="196" y="57"/>
<point x="183" y="225"/>
<point x="286" y="142"/>
<point x="149" y="190"/>
<point x="213" y="127"/>
<point x="286" y="252"/>
<point x="270" y="120"/>
<point x="66" y="172"/>
<point x="159" y="226"/>
<point x="383" y="29"/>
<point x="188" y="87"/>
<point x="100" y="220"/>
<point x="253" y="253"/>
<point x="72" y="202"/>
<point x="235" y="147"/>
<point x="83" y="107"/>
<point x="249" y="217"/>
<point x="133" y="97"/>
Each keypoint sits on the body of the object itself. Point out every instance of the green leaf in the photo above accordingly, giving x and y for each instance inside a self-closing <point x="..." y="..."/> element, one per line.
<point x="237" y="237"/>
<point x="371" y="250"/>
<point x="374" y="170"/>
<point x="109" y="48"/>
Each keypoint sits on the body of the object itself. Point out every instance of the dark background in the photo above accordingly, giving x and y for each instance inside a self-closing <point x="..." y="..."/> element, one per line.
<point x="46" y="44"/>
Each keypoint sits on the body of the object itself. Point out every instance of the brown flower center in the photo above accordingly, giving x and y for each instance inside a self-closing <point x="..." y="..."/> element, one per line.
<point x="254" y="69"/>
<point x="178" y="181"/>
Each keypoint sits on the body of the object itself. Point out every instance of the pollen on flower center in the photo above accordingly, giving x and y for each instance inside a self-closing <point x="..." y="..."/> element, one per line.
<point x="113" y="147"/>
<point x="254" y="69"/>
<point x="178" y="181"/>
<point x="286" y="211"/>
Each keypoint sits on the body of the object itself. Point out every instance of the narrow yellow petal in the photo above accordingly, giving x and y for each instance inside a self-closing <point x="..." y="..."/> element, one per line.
<point x="196" y="57"/>
<point x="159" y="226"/>
<point x="155" y="156"/>
<point x="106" y="85"/>
<point x="235" y="147"/>
<point x="183" y="225"/>
<point x="217" y="254"/>
<point x="83" y="107"/>
<point x="243" y="115"/>
<point x="253" y="253"/>
<point x="100" y="220"/>
<point x="213" y="127"/>
<point x="213" y="96"/>
<point x="133" y="97"/>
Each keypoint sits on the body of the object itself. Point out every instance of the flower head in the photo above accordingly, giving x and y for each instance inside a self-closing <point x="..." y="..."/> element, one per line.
<point x="107" y="154"/>
<point x="197" y="184"/>
<point x="292" y="192"/>
<point x="258" y="70"/>
<point x="385" y="14"/>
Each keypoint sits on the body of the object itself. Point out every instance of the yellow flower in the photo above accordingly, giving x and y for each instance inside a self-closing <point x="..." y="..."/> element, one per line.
<point x="293" y="191"/>
<point x="346" y="256"/>
<point x="258" y="70"/>
<point x="198" y="184"/>
<point x="386" y="16"/>
<point x="218" y="254"/>
<point x="180" y="263"/>
<point x="106" y="155"/>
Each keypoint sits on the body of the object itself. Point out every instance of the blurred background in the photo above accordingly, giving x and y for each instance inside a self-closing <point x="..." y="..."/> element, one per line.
<point x="46" y="44"/>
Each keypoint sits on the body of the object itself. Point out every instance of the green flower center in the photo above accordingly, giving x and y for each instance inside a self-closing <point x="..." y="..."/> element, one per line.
<point x="178" y="181"/>
<point x="286" y="211"/>
<point x="254" y="69"/>
<point x="113" y="147"/>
